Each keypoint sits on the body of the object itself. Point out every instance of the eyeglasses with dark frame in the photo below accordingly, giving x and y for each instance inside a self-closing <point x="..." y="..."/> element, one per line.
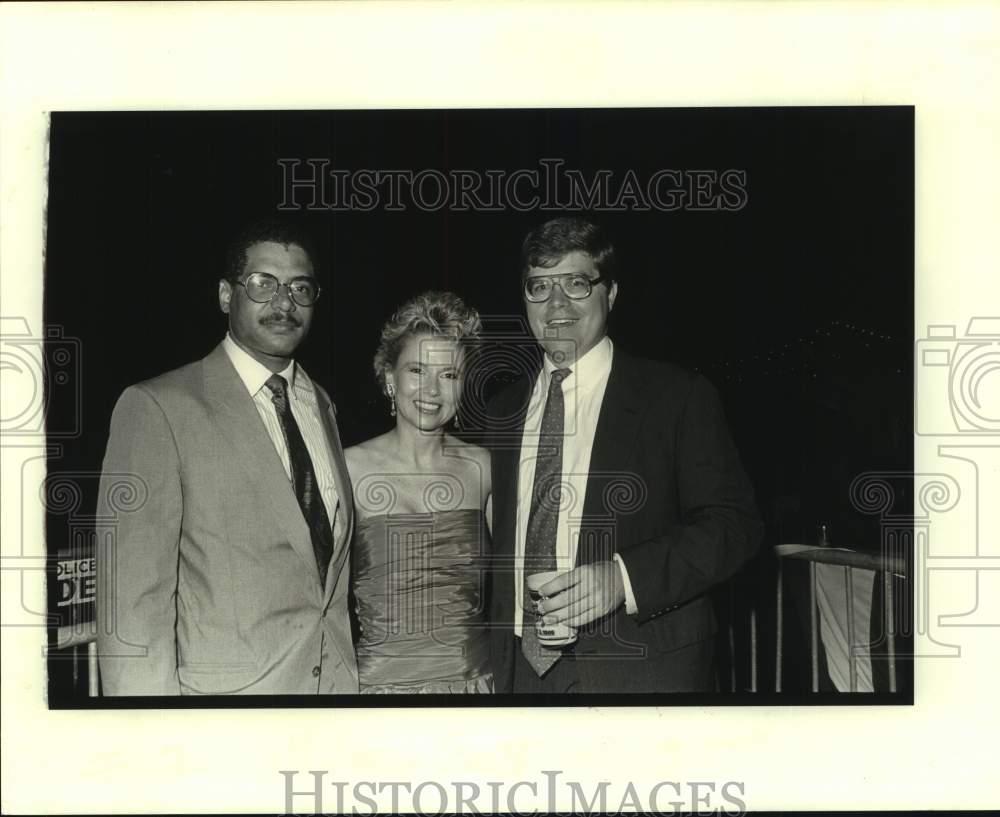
<point x="575" y="286"/>
<point x="262" y="288"/>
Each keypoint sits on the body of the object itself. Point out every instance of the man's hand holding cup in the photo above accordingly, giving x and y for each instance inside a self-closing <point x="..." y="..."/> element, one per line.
<point x="569" y="599"/>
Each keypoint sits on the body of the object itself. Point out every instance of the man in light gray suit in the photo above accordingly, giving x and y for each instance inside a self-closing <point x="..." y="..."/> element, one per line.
<point x="230" y="574"/>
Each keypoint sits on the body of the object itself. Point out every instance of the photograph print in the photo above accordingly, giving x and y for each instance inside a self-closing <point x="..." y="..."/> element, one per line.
<point x="479" y="407"/>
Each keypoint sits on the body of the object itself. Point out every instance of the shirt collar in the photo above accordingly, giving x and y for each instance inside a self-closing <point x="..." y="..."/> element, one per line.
<point x="253" y="373"/>
<point x="589" y="370"/>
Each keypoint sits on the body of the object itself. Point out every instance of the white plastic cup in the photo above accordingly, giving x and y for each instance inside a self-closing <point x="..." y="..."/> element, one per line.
<point x="549" y="635"/>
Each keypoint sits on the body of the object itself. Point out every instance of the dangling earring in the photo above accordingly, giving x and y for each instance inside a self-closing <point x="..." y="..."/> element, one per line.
<point x="392" y="399"/>
<point x="458" y="425"/>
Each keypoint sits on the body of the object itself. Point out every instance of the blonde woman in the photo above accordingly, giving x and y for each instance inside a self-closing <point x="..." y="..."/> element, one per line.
<point x="421" y="543"/>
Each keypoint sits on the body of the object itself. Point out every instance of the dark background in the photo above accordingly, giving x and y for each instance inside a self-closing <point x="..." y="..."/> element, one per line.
<point x="798" y="307"/>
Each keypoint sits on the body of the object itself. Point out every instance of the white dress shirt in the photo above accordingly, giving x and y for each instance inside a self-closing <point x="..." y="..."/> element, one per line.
<point x="305" y="410"/>
<point x="583" y="393"/>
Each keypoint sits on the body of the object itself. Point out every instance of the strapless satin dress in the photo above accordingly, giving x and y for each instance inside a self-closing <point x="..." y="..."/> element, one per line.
<point x="419" y="580"/>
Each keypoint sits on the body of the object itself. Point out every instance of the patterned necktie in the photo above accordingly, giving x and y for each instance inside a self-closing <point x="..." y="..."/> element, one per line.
<point x="303" y="477"/>
<point x="540" y="539"/>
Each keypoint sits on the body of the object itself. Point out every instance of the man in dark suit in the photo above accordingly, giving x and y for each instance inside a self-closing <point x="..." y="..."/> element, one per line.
<point x="619" y="471"/>
<point x="226" y="572"/>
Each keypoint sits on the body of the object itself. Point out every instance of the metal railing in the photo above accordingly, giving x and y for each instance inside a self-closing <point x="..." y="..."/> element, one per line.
<point x="881" y="564"/>
<point x="75" y="636"/>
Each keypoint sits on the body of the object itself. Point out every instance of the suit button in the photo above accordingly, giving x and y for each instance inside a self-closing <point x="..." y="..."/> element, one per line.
<point x="316" y="672"/>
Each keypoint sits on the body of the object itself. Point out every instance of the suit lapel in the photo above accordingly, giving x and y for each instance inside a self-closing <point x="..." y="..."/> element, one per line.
<point x="507" y="417"/>
<point x="506" y="449"/>
<point x="240" y="424"/>
<point x="342" y="480"/>
<point x="625" y="401"/>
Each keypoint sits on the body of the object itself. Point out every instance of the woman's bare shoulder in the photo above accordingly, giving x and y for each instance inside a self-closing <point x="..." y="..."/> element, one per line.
<point x="475" y="461"/>
<point x="369" y="453"/>
<point x="468" y="450"/>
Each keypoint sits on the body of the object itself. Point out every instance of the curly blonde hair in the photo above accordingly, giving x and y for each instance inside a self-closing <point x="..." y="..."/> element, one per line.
<point x="430" y="313"/>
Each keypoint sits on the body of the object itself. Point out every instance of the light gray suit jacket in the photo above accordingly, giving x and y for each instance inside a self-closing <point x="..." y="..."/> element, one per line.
<point x="207" y="581"/>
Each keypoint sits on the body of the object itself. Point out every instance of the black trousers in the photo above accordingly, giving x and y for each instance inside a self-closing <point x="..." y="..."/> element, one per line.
<point x="691" y="669"/>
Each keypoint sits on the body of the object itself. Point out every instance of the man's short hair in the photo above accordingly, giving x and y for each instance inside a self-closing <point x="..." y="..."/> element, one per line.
<point x="547" y="245"/>
<point x="278" y="230"/>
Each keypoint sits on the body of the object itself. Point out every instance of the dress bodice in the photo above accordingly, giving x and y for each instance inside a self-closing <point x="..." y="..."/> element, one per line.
<point x="419" y="581"/>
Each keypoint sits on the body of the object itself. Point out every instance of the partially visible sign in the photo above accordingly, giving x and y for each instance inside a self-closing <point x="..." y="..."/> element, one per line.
<point x="77" y="581"/>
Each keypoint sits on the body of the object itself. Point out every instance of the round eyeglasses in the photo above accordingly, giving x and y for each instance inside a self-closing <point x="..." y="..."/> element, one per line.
<point x="262" y="287"/>
<point x="575" y="286"/>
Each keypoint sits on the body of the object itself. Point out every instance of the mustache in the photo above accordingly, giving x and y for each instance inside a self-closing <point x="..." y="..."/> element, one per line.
<point x="288" y="320"/>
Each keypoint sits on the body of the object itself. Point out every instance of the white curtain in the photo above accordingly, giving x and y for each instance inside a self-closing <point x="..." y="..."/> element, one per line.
<point x="831" y="598"/>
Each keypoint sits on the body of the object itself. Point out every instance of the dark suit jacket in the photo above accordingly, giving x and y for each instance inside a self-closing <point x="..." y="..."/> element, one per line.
<point x="667" y="492"/>
<point x="207" y="581"/>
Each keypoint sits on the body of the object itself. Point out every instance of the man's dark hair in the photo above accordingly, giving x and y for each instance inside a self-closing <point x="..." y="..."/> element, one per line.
<point x="547" y="245"/>
<point x="279" y="230"/>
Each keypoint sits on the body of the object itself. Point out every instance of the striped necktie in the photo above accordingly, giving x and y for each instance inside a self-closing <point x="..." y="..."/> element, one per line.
<point x="540" y="539"/>
<point x="304" y="482"/>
